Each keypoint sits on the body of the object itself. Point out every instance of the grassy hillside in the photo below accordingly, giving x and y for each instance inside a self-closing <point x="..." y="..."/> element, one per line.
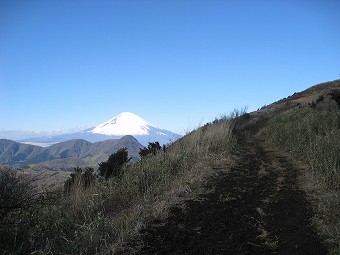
<point x="324" y="96"/>
<point x="310" y="133"/>
<point x="313" y="137"/>
<point x="102" y="218"/>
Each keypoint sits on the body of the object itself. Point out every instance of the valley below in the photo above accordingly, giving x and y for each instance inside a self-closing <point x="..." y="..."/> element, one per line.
<point x="64" y="156"/>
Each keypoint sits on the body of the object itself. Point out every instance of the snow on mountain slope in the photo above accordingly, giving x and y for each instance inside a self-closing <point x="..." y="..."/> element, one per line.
<point x="125" y="123"/>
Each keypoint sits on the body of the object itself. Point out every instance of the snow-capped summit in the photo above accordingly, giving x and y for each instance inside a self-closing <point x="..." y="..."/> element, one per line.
<point x="125" y="123"/>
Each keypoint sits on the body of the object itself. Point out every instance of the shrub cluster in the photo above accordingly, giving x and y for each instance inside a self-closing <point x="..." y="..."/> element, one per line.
<point x="20" y="204"/>
<point x="114" y="165"/>
<point x="152" y="149"/>
<point x="80" y="177"/>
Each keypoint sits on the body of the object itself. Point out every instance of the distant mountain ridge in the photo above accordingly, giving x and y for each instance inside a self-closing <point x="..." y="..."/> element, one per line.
<point x="65" y="155"/>
<point x="125" y="123"/>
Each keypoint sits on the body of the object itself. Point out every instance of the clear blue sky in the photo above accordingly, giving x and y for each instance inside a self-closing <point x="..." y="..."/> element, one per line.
<point x="69" y="64"/>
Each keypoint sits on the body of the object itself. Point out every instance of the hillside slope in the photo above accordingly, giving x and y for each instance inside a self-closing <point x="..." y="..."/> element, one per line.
<point x="260" y="183"/>
<point x="17" y="153"/>
<point x="65" y="155"/>
<point x="260" y="205"/>
<point x="254" y="208"/>
<point x="324" y="96"/>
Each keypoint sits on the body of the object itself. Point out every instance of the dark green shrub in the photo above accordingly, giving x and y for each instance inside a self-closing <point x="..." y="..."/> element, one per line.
<point x="20" y="201"/>
<point x="80" y="178"/>
<point x="113" y="166"/>
<point x="152" y="149"/>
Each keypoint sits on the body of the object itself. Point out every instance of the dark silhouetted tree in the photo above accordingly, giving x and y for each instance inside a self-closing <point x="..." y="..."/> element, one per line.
<point x="88" y="178"/>
<point x="80" y="178"/>
<point x="113" y="166"/>
<point x="152" y="149"/>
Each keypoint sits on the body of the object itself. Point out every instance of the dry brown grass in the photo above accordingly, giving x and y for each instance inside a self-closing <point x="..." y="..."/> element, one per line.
<point x="102" y="219"/>
<point x="326" y="204"/>
<point x="312" y="136"/>
<point x="295" y="101"/>
<point x="47" y="179"/>
<point x="170" y="178"/>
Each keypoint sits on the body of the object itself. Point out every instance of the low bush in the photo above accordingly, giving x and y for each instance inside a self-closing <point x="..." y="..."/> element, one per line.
<point x="80" y="177"/>
<point x="20" y="204"/>
<point x="152" y="149"/>
<point x="114" y="165"/>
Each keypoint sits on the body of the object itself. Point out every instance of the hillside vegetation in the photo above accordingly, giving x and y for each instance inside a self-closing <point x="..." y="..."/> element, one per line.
<point x="312" y="136"/>
<point x="102" y="217"/>
<point x="257" y="183"/>
<point x="306" y="125"/>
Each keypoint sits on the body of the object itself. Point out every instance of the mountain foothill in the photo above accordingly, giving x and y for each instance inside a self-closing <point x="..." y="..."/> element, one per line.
<point x="86" y="148"/>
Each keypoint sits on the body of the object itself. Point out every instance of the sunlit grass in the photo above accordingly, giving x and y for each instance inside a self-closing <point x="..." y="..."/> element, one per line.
<point x="105" y="216"/>
<point x="313" y="137"/>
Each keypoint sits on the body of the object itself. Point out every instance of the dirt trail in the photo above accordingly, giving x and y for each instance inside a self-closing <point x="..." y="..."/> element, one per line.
<point x="256" y="208"/>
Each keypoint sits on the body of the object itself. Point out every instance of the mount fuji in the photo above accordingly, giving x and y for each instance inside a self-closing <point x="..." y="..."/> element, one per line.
<point x="125" y="123"/>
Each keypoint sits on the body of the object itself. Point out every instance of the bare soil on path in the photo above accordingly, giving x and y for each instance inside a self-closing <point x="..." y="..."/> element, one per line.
<point x="255" y="208"/>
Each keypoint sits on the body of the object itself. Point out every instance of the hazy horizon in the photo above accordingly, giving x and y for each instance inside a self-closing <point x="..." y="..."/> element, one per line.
<point x="70" y="65"/>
